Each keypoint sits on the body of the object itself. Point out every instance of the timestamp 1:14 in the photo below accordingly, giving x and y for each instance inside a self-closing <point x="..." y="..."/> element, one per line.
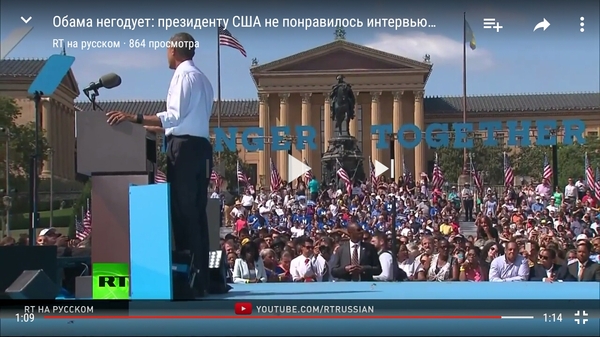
<point x="552" y="317"/>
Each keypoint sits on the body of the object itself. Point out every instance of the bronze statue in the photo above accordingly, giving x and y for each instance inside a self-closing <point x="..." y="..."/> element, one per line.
<point x="342" y="104"/>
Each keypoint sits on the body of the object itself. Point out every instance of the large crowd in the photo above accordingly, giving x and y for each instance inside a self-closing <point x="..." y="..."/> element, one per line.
<point x="529" y="233"/>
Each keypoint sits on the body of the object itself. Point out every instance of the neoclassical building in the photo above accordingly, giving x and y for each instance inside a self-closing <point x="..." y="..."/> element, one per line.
<point x="57" y="112"/>
<point x="390" y="89"/>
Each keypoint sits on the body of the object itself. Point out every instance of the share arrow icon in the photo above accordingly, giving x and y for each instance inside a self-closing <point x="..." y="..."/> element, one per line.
<point x="544" y="25"/>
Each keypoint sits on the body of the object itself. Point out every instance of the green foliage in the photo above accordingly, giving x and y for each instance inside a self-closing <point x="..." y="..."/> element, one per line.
<point x="21" y="144"/>
<point x="161" y="157"/>
<point x="61" y="218"/>
<point x="526" y="161"/>
<point x="86" y="194"/>
<point x="529" y="161"/>
<point x="571" y="159"/>
<point x="485" y="158"/>
<point x="226" y="163"/>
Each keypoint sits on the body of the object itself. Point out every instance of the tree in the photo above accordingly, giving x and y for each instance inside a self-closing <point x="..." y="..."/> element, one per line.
<point x="22" y="144"/>
<point x="571" y="159"/>
<point x="80" y="204"/>
<point x="529" y="161"/>
<point x="226" y="164"/>
<point x="485" y="158"/>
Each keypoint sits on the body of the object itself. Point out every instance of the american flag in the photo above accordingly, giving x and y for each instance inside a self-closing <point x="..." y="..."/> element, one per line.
<point x="307" y="174"/>
<point x="374" y="178"/>
<point x="84" y="228"/>
<point x="159" y="177"/>
<point x="509" y="177"/>
<point x="476" y="178"/>
<point x="589" y="173"/>
<point x="275" y="178"/>
<point x="216" y="178"/>
<point x="597" y="189"/>
<point x="405" y="172"/>
<point x="438" y="175"/>
<point x="226" y="39"/>
<point x="345" y="178"/>
<point x="547" y="174"/>
<point x="241" y="176"/>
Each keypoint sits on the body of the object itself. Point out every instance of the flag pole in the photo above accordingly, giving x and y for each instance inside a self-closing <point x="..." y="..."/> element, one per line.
<point x="464" y="100"/>
<point x="218" y="80"/>
<point x="237" y="174"/>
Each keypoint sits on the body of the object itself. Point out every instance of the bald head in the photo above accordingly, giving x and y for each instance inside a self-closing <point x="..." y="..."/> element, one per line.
<point x="355" y="232"/>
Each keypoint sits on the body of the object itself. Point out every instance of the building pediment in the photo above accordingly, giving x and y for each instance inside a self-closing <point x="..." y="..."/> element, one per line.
<point x="341" y="55"/>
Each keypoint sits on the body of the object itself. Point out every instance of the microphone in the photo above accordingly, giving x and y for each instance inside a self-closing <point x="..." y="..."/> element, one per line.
<point x="107" y="81"/>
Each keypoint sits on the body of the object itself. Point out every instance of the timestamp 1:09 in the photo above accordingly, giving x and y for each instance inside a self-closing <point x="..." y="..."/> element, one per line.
<point x="25" y="318"/>
<point x="553" y="317"/>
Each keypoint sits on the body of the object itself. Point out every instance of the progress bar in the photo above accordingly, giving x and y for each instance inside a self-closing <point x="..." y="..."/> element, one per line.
<point x="273" y="317"/>
<point x="517" y="317"/>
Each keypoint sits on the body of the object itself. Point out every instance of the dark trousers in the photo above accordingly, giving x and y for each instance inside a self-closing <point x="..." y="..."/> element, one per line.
<point x="189" y="163"/>
<point x="468" y="210"/>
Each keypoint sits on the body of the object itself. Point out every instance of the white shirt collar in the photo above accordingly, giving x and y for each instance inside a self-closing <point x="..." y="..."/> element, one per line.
<point x="354" y="244"/>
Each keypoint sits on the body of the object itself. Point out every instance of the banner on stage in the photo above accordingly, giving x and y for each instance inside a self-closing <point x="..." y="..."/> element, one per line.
<point x="436" y="135"/>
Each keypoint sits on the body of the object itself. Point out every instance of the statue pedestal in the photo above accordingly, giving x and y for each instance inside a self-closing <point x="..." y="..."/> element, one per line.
<point x="343" y="149"/>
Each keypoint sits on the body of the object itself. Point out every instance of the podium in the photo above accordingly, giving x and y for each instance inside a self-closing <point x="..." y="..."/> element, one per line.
<point x="114" y="157"/>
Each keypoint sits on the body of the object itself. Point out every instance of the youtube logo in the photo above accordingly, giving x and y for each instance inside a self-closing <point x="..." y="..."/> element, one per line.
<point x="243" y="308"/>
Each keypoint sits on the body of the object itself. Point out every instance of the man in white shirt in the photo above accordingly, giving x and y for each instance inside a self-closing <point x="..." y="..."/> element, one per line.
<point x="570" y="192"/>
<point x="512" y="267"/>
<point x="189" y="151"/>
<point x="307" y="267"/>
<point x="385" y="258"/>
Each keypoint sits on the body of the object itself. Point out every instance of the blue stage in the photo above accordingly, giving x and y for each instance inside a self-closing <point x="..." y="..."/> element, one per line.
<point x="292" y="294"/>
<point x="412" y="291"/>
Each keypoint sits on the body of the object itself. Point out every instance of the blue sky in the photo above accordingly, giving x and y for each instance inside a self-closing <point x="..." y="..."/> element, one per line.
<point x="514" y="60"/>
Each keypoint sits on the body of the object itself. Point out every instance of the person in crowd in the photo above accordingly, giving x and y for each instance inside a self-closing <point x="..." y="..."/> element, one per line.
<point x="270" y="263"/>
<point x="584" y="270"/>
<point x="511" y="267"/>
<point x="467" y="197"/>
<point x="249" y="267"/>
<point x="307" y="267"/>
<point x="443" y="267"/>
<point x="379" y="241"/>
<point x="470" y="269"/>
<point x="357" y="260"/>
<point x="406" y="262"/>
<point x="548" y="270"/>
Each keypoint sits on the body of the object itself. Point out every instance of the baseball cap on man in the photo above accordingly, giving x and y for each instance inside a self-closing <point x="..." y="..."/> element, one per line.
<point x="581" y="237"/>
<point x="48" y="232"/>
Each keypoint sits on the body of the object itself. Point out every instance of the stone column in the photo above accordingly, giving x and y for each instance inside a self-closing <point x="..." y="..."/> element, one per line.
<point x="420" y="158"/>
<point x="306" y="108"/>
<point x="46" y="125"/>
<point x="396" y="124"/>
<point x="354" y="123"/>
<point x="374" y="121"/>
<point x="263" y="166"/>
<point x="327" y="125"/>
<point x="283" y="121"/>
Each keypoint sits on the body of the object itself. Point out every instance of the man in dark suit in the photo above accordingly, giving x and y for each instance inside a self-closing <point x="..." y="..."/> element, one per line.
<point x="356" y="260"/>
<point x="547" y="270"/>
<point x="584" y="270"/>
